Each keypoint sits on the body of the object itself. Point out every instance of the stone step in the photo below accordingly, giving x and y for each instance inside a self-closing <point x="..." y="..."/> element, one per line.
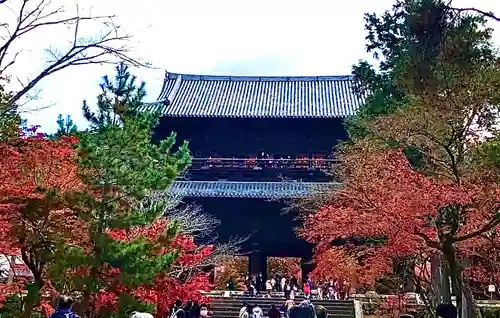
<point x="239" y="301"/>
<point x="277" y="305"/>
<point x="229" y="307"/>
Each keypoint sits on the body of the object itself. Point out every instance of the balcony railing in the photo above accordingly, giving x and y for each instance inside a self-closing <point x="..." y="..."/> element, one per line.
<point x="263" y="163"/>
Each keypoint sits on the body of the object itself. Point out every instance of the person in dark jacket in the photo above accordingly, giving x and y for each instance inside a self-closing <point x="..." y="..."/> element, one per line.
<point x="188" y="308"/>
<point x="178" y="310"/>
<point x="63" y="310"/>
<point x="446" y="311"/>
<point x="321" y="312"/>
<point x="273" y="312"/>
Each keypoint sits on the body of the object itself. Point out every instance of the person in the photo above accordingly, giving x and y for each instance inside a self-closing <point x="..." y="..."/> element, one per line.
<point x="446" y="311"/>
<point x="243" y="310"/>
<point x="307" y="289"/>
<point x="257" y="312"/>
<point x="320" y="290"/>
<point x="188" y="308"/>
<point x="204" y="312"/>
<point x="289" y="304"/>
<point x="177" y="311"/>
<point x="136" y="314"/>
<point x="269" y="288"/>
<point x="292" y="292"/>
<point x="287" y="289"/>
<point x="259" y="282"/>
<point x="63" y="310"/>
<point x="248" y="311"/>
<point x="195" y="310"/>
<point x="321" y="312"/>
<point x="273" y="312"/>
<point x="230" y="284"/>
<point x="304" y="310"/>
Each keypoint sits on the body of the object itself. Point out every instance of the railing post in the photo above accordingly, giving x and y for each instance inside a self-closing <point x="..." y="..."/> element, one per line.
<point x="358" y="308"/>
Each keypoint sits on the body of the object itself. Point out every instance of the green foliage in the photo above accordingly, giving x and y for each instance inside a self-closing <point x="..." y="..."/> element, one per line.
<point x="433" y="93"/>
<point x="121" y="167"/>
<point x="65" y="127"/>
<point x="10" y="119"/>
<point x="136" y="259"/>
<point x="421" y="46"/>
<point x="126" y="305"/>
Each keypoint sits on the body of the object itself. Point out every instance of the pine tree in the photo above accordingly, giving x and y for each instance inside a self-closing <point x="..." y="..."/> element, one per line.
<point x="10" y="119"/>
<point x="121" y="166"/>
<point x="65" y="127"/>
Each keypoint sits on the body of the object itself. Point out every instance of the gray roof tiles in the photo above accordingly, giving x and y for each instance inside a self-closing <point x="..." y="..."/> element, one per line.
<point x="241" y="189"/>
<point x="256" y="97"/>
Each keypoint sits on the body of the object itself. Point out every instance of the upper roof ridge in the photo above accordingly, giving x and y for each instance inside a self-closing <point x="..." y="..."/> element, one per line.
<point x="194" y="77"/>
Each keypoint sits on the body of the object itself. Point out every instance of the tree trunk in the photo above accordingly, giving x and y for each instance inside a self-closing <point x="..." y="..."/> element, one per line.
<point x="440" y="280"/>
<point x="33" y="297"/>
<point x="467" y="299"/>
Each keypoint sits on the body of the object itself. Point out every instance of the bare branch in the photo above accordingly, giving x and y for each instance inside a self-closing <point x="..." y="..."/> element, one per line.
<point x="193" y="221"/>
<point x="487" y="14"/>
<point x="36" y="15"/>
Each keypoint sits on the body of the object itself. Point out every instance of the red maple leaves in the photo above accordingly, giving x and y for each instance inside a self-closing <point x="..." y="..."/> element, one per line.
<point x="169" y="286"/>
<point x="37" y="179"/>
<point x="387" y="210"/>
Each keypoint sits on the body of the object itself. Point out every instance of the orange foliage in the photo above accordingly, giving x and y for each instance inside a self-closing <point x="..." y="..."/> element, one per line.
<point x="399" y="208"/>
<point x="284" y="266"/>
<point x="235" y="267"/>
<point x="36" y="176"/>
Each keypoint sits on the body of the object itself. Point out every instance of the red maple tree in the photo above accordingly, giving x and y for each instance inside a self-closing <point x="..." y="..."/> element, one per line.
<point x="36" y="175"/>
<point x="388" y="212"/>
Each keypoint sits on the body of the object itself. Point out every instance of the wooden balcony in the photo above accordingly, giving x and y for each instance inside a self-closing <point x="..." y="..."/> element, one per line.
<point x="300" y="163"/>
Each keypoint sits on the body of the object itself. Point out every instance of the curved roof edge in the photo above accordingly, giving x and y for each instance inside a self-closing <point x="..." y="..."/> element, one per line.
<point x="194" y="77"/>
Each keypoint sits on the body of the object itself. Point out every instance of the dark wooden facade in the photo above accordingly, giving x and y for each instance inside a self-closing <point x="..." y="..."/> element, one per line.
<point x="256" y="142"/>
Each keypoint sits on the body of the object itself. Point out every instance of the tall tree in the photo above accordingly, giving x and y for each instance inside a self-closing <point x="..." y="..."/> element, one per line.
<point x="121" y="167"/>
<point x="435" y="96"/>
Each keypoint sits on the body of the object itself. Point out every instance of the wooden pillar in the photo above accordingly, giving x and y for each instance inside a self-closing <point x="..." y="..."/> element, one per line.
<point x="306" y="264"/>
<point x="257" y="264"/>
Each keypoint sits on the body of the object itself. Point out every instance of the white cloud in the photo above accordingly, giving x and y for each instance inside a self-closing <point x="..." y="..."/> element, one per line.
<point x="260" y="37"/>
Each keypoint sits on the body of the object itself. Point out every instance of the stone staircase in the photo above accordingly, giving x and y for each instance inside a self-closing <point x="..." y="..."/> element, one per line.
<point x="228" y="306"/>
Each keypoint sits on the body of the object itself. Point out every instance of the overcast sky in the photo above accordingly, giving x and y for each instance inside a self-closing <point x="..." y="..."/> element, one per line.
<point x="219" y="37"/>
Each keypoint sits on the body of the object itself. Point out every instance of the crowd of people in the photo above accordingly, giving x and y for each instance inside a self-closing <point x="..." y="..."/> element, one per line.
<point x="289" y="286"/>
<point x="189" y="309"/>
<point x="305" y="309"/>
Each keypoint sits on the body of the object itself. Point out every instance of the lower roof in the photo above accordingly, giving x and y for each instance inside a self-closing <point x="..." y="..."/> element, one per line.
<point x="242" y="189"/>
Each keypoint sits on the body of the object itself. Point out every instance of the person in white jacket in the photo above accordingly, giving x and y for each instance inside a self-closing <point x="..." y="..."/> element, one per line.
<point x="136" y="314"/>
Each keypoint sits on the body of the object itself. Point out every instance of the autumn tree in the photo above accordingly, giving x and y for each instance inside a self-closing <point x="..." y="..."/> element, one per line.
<point x="231" y="267"/>
<point x="284" y="267"/>
<point x="434" y="98"/>
<point x="36" y="222"/>
<point x="121" y="167"/>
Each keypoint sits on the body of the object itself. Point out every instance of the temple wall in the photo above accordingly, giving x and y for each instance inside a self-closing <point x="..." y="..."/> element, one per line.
<point x="242" y="137"/>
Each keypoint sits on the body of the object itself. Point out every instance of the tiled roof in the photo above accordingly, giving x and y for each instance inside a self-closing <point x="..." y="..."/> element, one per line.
<point x="258" y="97"/>
<point x="241" y="189"/>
